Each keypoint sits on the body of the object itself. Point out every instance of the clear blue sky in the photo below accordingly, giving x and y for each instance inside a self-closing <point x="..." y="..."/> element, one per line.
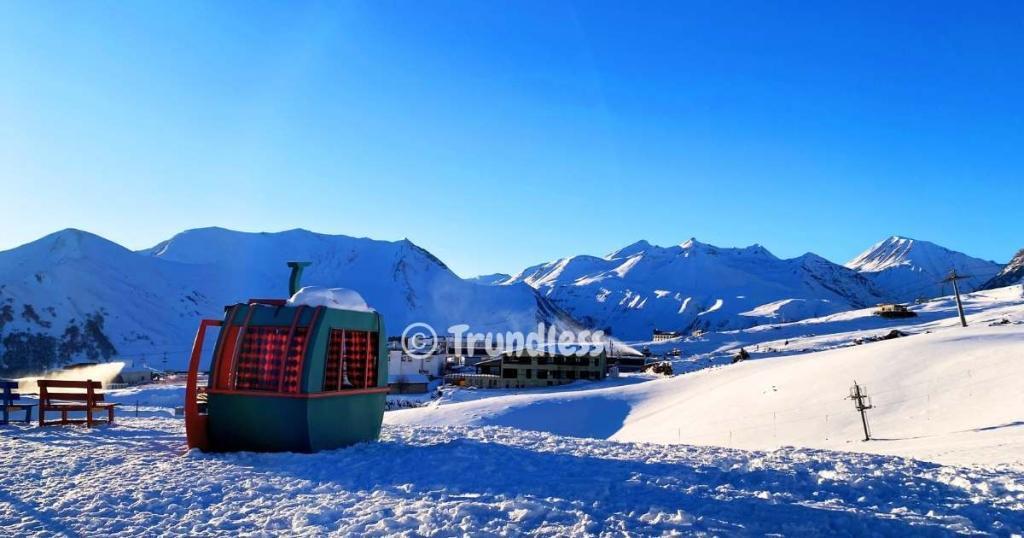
<point x="498" y="135"/>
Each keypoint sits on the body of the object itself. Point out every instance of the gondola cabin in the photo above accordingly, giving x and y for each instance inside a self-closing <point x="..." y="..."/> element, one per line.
<point x="288" y="377"/>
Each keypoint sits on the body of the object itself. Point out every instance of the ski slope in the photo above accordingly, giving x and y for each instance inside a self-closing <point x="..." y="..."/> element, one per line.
<point x="944" y="393"/>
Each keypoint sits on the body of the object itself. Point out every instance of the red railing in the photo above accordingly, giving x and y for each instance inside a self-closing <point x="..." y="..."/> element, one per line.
<point x="195" y="423"/>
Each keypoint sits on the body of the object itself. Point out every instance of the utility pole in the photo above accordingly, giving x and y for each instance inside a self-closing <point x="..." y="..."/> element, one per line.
<point x="953" y="277"/>
<point x="862" y="402"/>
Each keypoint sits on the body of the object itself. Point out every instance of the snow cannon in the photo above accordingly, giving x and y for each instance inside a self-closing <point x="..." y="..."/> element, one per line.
<point x="299" y="375"/>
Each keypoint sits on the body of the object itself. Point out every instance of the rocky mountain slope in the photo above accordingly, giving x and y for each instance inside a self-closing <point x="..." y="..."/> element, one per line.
<point x="1012" y="274"/>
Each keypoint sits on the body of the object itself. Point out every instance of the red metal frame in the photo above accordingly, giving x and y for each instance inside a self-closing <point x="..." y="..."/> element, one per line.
<point x="217" y="369"/>
<point x="288" y="349"/>
<point x="370" y="353"/>
<point x="232" y="371"/>
<point x="303" y="396"/>
<point x="195" y="424"/>
<point x="342" y="355"/>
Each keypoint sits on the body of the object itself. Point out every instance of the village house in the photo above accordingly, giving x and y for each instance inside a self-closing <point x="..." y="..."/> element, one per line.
<point x="522" y="370"/>
<point x="662" y="336"/>
<point x="409" y="374"/>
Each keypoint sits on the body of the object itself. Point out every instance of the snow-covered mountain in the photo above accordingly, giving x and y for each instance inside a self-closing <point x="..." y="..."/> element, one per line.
<point x="906" y="269"/>
<point x="493" y="278"/>
<point x="400" y="279"/>
<point x="1012" y="274"/>
<point x="694" y="285"/>
<point x="75" y="295"/>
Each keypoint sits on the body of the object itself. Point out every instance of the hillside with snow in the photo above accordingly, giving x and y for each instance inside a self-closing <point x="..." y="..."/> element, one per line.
<point x="73" y="295"/>
<point x="643" y="287"/>
<point x="941" y="392"/>
<point x="1012" y="274"/>
<point x="908" y="269"/>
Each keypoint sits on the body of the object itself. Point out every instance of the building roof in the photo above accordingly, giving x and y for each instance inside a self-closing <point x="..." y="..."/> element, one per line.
<point x="522" y="352"/>
<point x="408" y="378"/>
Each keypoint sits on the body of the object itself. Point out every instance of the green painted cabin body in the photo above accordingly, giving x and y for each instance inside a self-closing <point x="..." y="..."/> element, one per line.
<point x="289" y="379"/>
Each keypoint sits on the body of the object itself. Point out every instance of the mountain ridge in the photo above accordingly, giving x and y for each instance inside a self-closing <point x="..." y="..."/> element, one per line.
<point x="694" y="285"/>
<point x="73" y="295"/>
<point x="908" y="269"/>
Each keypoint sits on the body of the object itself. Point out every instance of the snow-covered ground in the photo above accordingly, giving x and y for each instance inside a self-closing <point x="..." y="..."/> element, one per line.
<point x="768" y="445"/>
<point x="943" y="393"/>
<point x="136" y="479"/>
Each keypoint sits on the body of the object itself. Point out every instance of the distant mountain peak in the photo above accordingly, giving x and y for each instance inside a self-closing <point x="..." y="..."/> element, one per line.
<point x="908" y="268"/>
<point x="632" y="249"/>
<point x="691" y="243"/>
<point x="70" y="243"/>
<point x="894" y="251"/>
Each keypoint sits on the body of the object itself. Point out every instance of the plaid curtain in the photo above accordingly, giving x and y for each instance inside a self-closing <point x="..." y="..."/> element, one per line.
<point x="266" y="361"/>
<point x="332" y="366"/>
<point x="351" y="360"/>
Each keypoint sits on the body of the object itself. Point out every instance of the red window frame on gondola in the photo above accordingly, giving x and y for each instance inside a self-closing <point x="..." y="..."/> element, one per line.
<point x="351" y="361"/>
<point x="266" y="359"/>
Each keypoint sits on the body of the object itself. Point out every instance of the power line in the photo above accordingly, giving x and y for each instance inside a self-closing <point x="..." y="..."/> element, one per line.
<point x="953" y="277"/>
<point x="862" y="402"/>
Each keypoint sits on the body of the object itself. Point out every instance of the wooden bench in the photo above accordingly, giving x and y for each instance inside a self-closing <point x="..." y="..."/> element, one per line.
<point x="84" y="398"/>
<point x="7" y="401"/>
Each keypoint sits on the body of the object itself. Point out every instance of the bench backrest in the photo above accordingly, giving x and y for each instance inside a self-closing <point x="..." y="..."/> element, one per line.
<point x="7" y="391"/>
<point x="90" y="396"/>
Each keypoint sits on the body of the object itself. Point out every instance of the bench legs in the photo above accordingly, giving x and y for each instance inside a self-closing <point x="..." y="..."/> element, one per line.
<point x="7" y="414"/>
<point x="90" y="420"/>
